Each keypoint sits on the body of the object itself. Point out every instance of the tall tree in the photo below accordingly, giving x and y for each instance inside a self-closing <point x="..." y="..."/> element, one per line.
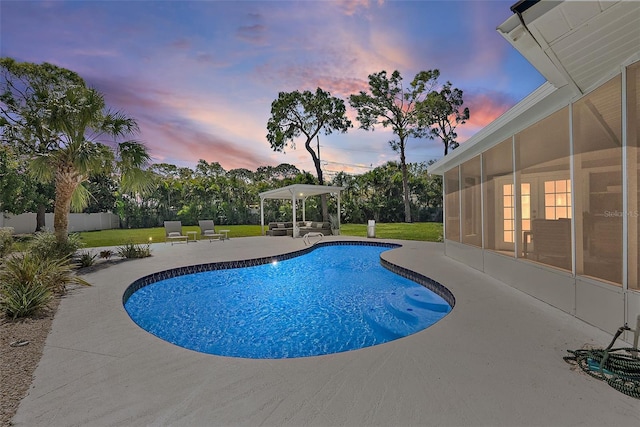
<point x="57" y="120"/>
<point x="20" y="192"/>
<point x="392" y="105"/>
<point x="442" y="111"/>
<point x="307" y="114"/>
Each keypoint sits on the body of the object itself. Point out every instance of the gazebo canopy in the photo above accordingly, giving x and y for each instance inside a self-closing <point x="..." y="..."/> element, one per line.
<point x="300" y="191"/>
<point x="297" y="192"/>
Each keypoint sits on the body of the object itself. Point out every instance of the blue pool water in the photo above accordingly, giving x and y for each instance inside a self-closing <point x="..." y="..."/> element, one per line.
<point x="333" y="299"/>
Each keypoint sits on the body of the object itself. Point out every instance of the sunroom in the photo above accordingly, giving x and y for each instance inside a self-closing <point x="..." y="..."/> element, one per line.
<point x="545" y="198"/>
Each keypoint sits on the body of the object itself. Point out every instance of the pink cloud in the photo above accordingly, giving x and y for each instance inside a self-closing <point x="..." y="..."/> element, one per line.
<point x="484" y="108"/>
<point x="254" y="32"/>
<point x="183" y="143"/>
<point x="168" y="130"/>
<point x="350" y="7"/>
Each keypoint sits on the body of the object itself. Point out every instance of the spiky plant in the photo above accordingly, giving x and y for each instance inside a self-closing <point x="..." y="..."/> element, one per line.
<point x="28" y="282"/>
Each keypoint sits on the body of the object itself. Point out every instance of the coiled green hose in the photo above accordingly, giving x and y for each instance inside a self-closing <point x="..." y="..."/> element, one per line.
<point x="619" y="367"/>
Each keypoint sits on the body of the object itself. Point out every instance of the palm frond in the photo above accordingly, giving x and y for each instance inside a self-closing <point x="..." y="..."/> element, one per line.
<point x="118" y="124"/>
<point x="80" y="198"/>
<point x="42" y="167"/>
<point x="137" y="181"/>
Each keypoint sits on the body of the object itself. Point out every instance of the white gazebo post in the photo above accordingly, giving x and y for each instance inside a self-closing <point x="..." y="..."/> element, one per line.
<point x="295" y="202"/>
<point x="338" y="212"/>
<point x="304" y="211"/>
<point x="262" y="214"/>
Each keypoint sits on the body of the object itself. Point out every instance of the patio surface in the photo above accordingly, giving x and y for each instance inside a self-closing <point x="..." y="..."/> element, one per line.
<point x="495" y="360"/>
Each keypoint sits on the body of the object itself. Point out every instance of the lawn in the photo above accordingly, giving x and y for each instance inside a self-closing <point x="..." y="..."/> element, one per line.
<point x="427" y="231"/>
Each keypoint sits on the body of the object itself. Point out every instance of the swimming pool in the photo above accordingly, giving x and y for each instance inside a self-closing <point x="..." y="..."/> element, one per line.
<point x="327" y="299"/>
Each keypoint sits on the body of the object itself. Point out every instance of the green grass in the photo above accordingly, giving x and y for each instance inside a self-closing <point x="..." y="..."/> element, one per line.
<point x="427" y="231"/>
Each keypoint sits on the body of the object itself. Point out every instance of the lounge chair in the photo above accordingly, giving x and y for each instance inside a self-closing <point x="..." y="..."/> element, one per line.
<point x="208" y="231"/>
<point x="173" y="231"/>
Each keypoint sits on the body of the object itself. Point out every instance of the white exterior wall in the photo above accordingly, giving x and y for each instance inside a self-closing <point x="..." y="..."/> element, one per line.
<point x="26" y="223"/>
<point x="605" y="306"/>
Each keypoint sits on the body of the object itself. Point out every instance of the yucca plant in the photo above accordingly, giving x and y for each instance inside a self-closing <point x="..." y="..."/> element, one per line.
<point x="87" y="259"/>
<point x="132" y="250"/>
<point x="23" y="299"/>
<point x="28" y="282"/>
<point x="45" y="245"/>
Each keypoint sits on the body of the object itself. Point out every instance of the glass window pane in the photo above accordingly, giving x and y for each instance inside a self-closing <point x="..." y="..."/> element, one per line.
<point x="561" y="213"/>
<point x="549" y="200"/>
<point x="508" y="213"/>
<point x="549" y="187"/>
<point x="550" y="213"/>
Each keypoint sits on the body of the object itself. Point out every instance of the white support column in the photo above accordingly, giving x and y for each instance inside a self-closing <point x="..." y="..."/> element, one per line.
<point x="294" y="200"/>
<point x="339" y="212"/>
<point x="262" y="214"/>
<point x="304" y="211"/>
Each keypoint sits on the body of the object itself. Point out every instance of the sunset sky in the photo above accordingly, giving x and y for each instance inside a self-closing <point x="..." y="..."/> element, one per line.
<point x="200" y="76"/>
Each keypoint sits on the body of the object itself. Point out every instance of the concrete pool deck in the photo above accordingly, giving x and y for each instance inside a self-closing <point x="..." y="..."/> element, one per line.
<point x="495" y="360"/>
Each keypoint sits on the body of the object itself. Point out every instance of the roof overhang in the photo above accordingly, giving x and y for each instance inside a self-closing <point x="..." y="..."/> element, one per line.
<point x="577" y="43"/>
<point x="299" y="191"/>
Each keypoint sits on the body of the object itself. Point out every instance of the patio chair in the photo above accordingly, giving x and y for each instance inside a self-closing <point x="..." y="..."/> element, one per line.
<point x="173" y="232"/>
<point x="208" y="231"/>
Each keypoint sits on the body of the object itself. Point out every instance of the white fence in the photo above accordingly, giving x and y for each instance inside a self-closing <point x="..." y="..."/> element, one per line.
<point x="26" y="223"/>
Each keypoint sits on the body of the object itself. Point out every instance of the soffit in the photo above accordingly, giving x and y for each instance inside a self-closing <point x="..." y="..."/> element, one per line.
<point x="586" y="40"/>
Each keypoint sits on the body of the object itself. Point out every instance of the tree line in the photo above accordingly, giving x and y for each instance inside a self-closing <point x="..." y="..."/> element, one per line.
<point x="62" y="148"/>
<point x="229" y="196"/>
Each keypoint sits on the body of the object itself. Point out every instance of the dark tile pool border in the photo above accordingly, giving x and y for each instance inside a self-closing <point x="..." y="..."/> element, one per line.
<point x="423" y="280"/>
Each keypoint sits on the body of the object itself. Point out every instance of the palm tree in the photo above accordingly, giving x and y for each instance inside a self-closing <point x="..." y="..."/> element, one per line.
<point x="58" y="121"/>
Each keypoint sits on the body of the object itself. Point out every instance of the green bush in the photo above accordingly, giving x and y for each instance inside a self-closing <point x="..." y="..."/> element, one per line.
<point x="28" y="281"/>
<point x="6" y="241"/>
<point x="23" y="299"/>
<point x="45" y="245"/>
<point x="132" y="250"/>
<point x="87" y="259"/>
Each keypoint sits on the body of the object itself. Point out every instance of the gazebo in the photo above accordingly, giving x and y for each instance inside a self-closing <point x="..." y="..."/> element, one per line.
<point x="297" y="192"/>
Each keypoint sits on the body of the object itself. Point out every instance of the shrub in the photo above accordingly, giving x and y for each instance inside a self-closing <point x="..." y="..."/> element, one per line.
<point x="23" y="299"/>
<point x="27" y="282"/>
<point x="45" y="245"/>
<point x="6" y="241"/>
<point x="132" y="250"/>
<point x="86" y="259"/>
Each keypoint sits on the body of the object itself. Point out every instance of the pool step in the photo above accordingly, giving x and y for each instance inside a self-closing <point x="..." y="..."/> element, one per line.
<point x="406" y="312"/>
<point x="388" y="325"/>
<point x="423" y="297"/>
